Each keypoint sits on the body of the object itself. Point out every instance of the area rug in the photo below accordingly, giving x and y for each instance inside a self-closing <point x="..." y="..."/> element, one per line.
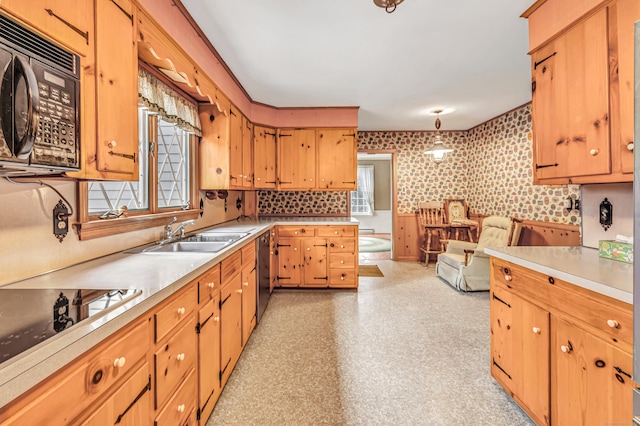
<point x="373" y="244"/>
<point x="369" y="271"/>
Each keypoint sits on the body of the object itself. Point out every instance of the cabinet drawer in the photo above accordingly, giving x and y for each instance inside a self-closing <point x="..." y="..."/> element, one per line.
<point x="181" y="404"/>
<point x="342" y="278"/>
<point x="209" y="285"/>
<point x="296" y="231"/>
<point x="249" y="254"/>
<point x="337" y="231"/>
<point x="230" y="266"/>
<point x="341" y="245"/>
<point x="342" y="260"/>
<point x="179" y="307"/>
<point x="174" y="359"/>
<point x="523" y="281"/>
<point x="613" y="323"/>
<point x="83" y="381"/>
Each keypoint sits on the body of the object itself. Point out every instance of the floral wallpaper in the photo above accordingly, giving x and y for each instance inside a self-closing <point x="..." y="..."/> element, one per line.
<point x="491" y="167"/>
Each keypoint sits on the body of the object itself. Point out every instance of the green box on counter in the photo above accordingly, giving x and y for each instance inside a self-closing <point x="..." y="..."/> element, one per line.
<point x="615" y="250"/>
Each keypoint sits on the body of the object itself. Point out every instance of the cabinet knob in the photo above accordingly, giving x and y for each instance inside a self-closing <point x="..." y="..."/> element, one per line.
<point x="257" y="178"/>
<point x="112" y="144"/>
<point x="295" y="232"/>
<point x="342" y="246"/>
<point x="630" y="146"/>
<point x="594" y="152"/>
<point x="536" y="330"/>
<point x="308" y="248"/>
<point x="180" y="357"/>
<point x="119" y="362"/>
<point x="211" y="285"/>
<point x="342" y="277"/>
<point x="181" y="408"/>
<point x="342" y="261"/>
<point x="295" y="249"/>
<point x="336" y="232"/>
<point x="181" y="311"/>
<point x="310" y="180"/>
<point x="613" y="323"/>
<point x="566" y="349"/>
<point x="323" y="179"/>
<point x="239" y="290"/>
<point x="508" y="278"/>
<point x="216" y="319"/>
<point x="246" y="284"/>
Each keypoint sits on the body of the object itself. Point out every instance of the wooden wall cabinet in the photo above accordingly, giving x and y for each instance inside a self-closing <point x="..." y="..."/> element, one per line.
<point x="56" y="19"/>
<point x="264" y="157"/>
<point x="562" y="352"/>
<point x="214" y="171"/>
<point x="337" y="161"/>
<point x="582" y="92"/>
<point x="296" y="159"/>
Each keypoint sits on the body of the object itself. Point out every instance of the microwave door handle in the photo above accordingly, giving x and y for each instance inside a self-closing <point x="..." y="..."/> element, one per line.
<point x="23" y="147"/>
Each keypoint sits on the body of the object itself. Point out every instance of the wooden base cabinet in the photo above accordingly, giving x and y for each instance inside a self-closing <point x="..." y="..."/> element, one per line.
<point x="562" y="352"/>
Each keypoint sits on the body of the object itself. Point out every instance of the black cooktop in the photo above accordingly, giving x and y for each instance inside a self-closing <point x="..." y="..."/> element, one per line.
<point x="28" y="317"/>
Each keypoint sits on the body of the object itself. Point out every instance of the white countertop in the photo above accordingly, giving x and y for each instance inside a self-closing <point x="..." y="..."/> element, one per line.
<point x="158" y="275"/>
<point x="580" y="266"/>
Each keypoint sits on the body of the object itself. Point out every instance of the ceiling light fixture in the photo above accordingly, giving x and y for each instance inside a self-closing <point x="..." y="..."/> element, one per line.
<point x="439" y="150"/>
<point x="388" y="5"/>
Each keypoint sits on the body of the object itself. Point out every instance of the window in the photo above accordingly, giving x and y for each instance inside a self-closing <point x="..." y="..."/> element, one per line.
<point x="362" y="198"/>
<point x="168" y="124"/>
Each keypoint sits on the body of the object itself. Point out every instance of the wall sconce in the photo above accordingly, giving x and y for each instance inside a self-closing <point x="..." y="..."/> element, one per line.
<point x="439" y="150"/>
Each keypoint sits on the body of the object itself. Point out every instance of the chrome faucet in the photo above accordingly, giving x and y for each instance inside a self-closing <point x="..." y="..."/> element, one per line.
<point x="170" y="234"/>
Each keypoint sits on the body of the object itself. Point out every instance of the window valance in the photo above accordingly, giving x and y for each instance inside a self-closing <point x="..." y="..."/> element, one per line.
<point x="162" y="99"/>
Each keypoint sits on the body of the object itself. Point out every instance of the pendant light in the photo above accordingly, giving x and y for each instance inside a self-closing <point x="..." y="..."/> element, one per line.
<point x="388" y="5"/>
<point x="439" y="150"/>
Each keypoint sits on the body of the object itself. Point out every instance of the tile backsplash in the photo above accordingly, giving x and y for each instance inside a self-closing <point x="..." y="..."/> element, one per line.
<point x="620" y="195"/>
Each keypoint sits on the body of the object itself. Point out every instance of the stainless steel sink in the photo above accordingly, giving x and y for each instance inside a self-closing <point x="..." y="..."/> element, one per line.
<point x="216" y="237"/>
<point x="188" y="246"/>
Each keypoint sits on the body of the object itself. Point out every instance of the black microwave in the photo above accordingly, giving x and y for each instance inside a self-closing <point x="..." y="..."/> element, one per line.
<point x="39" y="104"/>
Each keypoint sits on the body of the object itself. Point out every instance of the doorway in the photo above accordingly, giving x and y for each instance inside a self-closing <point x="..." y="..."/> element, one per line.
<point x="372" y="205"/>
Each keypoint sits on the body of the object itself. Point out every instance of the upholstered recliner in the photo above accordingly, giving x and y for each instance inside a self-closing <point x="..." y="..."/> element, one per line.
<point x="465" y="266"/>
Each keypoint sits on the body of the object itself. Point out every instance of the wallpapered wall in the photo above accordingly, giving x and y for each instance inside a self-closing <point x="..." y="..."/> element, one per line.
<point x="491" y="168"/>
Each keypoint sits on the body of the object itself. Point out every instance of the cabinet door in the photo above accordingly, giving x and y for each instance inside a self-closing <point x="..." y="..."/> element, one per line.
<point x="130" y="404"/>
<point x="230" y="325"/>
<point x="247" y="154"/>
<point x="315" y="262"/>
<point x="502" y="337"/>
<point x="264" y="158"/>
<point x="117" y="90"/>
<point x="570" y="102"/>
<point x="235" y="148"/>
<point x="214" y="148"/>
<point x="249" y="300"/>
<point x="209" y="355"/>
<point x="626" y="13"/>
<point x="289" y="262"/>
<point x="69" y="23"/>
<point x="296" y="159"/>
<point x="337" y="159"/>
<point x="590" y="379"/>
<point x="531" y="354"/>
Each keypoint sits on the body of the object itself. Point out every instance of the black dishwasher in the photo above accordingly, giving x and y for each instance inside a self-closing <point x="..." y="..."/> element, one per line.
<point x="264" y="273"/>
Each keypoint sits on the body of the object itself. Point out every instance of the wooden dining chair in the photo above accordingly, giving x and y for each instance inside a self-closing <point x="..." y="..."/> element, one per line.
<point x="433" y="221"/>
<point x="457" y="216"/>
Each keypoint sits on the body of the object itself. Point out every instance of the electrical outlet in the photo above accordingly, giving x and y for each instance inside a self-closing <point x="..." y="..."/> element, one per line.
<point x="60" y="221"/>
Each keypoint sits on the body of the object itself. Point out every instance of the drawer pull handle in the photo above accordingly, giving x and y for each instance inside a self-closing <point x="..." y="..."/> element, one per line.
<point x="181" y="311"/>
<point x="181" y="408"/>
<point x="211" y="285"/>
<point x="180" y="357"/>
<point x="508" y="278"/>
<point x="536" y="330"/>
<point x="119" y="362"/>
<point x="613" y="323"/>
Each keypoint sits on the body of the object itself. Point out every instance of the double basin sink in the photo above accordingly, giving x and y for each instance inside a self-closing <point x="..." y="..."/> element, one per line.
<point x="209" y="242"/>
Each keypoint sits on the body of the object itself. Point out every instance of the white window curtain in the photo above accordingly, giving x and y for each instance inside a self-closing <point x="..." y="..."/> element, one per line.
<point x="365" y="180"/>
<point x="161" y="99"/>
